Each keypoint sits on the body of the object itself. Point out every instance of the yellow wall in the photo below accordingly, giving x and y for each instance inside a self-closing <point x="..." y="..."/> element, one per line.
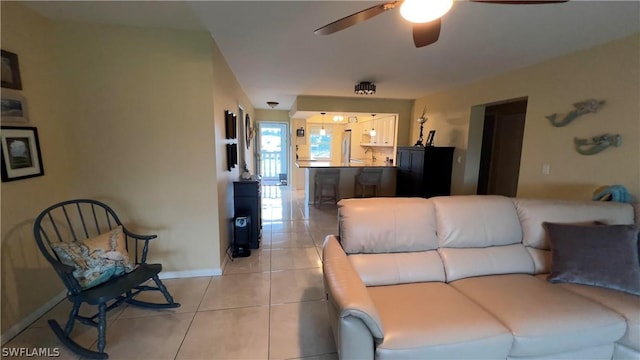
<point x="125" y="115"/>
<point x="227" y="95"/>
<point x="608" y="72"/>
<point x="28" y="281"/>
<point x="272" y="115"/>
<point x="140" y="107"/>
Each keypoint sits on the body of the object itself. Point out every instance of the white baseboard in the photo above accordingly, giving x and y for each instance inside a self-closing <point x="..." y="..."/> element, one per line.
<point x="190" y="273"/>
<point x="29" y="319"/>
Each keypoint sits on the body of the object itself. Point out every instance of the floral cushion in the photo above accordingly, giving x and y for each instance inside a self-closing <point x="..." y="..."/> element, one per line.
<point x="97" y="259"/>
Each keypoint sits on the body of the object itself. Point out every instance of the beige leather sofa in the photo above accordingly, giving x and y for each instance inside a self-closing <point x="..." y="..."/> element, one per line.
<point x="464" y="277"/>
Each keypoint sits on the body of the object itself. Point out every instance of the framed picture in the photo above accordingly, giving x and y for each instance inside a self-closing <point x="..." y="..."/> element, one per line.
<point x="232" y="156"/>
<point x="432" y="134"/>
<point x="10" y="71"/>
<point x="21" y="156"/>
<point x="230" y="125"/>
<point x="12" y="107"/>
<point x="249" y="131"/>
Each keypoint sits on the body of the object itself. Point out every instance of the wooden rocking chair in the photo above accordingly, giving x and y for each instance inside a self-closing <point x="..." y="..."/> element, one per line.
<point x="72" y="222"/>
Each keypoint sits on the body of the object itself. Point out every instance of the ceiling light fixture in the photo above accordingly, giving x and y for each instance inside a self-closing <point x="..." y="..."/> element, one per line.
<point x="365" y="88"/>
<point x="323" y="132"/>
<point x="373" y="125"/>
<point x="420" y="11"/>
<point x="273" y="104"/>
<point x="338" y="118"/>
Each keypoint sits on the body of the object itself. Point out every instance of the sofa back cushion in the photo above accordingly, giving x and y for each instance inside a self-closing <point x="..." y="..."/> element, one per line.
<point x="480" y="235"/>
<point x="533" y="212"/>
<point x="386" y="225"/>
<point x="476" y="221"/>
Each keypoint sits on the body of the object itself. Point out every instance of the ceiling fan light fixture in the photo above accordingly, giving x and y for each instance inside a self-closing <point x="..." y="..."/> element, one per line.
<point x="365" y="88"/>
<point x="421" y="11"/>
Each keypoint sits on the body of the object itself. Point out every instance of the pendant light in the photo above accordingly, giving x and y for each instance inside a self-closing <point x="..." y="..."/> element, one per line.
<point x="373" y="125"/>
<point x="323" y="132"/>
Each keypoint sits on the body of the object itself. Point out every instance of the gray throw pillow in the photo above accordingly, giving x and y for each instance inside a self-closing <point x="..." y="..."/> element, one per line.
<point x="605" y="256"/>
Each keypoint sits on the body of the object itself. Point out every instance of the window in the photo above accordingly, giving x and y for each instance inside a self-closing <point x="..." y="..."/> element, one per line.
<point x="320" y="148"/>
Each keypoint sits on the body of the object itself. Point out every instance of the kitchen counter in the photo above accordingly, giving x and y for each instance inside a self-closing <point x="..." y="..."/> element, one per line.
<point x="348" y="172"/>
<point x="303" y="164"/>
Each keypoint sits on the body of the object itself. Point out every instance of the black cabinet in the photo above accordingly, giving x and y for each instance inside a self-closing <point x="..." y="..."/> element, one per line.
<point x="424" y="171"/>
<point x="247" y="202"/>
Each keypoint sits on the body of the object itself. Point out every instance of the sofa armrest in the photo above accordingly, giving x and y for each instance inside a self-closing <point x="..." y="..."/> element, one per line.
<point x="348" y="300"/>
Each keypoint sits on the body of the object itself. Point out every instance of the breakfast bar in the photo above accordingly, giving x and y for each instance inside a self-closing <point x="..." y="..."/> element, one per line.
<point x="348" y="173"/>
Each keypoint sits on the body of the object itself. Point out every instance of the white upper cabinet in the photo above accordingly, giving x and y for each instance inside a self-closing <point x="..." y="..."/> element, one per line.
<point x="385" y="132"/>
<point x="388" y="132"/>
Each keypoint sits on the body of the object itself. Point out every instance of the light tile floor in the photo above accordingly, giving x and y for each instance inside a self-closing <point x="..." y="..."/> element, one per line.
<point x="270" y="305"/>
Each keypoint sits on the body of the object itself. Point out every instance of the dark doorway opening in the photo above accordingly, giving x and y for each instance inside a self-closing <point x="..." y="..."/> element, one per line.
<point x="501" y="148"/>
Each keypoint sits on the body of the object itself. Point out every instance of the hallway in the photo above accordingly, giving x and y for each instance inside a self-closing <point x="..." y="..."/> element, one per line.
<point x="270" y="305"/>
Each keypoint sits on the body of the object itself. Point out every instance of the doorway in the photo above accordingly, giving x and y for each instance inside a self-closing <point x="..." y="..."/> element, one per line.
<point x="502" y="136"/>
<point x="273" y="153"/>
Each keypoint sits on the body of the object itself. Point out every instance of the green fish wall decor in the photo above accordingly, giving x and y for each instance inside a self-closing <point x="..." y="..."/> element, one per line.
<point x="581" y="108"/>
<point x="597" y="144"/>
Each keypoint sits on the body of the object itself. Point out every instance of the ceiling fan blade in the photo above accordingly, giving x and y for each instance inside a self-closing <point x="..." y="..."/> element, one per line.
<point x="356" y="18"/>
<point x="426" y="33"/>
<point x="522" y="2"/>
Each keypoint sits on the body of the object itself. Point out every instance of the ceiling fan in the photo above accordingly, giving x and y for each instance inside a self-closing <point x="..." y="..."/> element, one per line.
<point x="424" y="14"/>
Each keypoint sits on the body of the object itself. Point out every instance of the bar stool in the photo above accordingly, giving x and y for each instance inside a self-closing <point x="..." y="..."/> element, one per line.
<point x="367" y="177"/>
<point x="326" y="186"/>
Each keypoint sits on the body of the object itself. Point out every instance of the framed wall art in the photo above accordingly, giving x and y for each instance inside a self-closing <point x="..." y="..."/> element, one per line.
<point x="230" y="125"/>
<point x="12" y="107"/>
<point x="10" y="71"/>
<point x="21" y="156"/>
<point x="249" y="131"/>
<point x="431" y="137"/>
<point x="232" y="156"/>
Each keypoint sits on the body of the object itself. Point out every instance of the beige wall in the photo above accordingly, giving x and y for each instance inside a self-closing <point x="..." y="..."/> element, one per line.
<point x="28" y="280"/>
<point x="227" y="95"/>
<point x="272" y="115"/>
<point x="609" y="72"/>
<point x="125" y="115"/>
<point x="140" y="109"/>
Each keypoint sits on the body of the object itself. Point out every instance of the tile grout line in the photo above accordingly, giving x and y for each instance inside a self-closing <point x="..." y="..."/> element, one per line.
<point x="193" y="318"/>
<point x="270" y="287"/>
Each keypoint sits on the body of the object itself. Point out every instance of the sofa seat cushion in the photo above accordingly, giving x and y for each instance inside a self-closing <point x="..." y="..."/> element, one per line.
<point x="627" y="305"/>
<point x="543" y="318"/>
<point x="433" y="320"/>
<point x="602" y="352"/>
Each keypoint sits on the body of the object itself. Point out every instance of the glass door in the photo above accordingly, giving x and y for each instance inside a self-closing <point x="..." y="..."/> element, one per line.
<point x="273" y="153"/>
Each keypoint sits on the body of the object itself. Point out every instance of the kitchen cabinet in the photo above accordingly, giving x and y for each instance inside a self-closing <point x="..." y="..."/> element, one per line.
<point x="388" y="135"/>
<point x="385" y="133"/>
<point x="424" y="171"/>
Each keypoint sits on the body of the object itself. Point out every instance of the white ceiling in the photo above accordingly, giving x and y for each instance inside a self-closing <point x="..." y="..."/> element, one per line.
<point x="271" y="48"/>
